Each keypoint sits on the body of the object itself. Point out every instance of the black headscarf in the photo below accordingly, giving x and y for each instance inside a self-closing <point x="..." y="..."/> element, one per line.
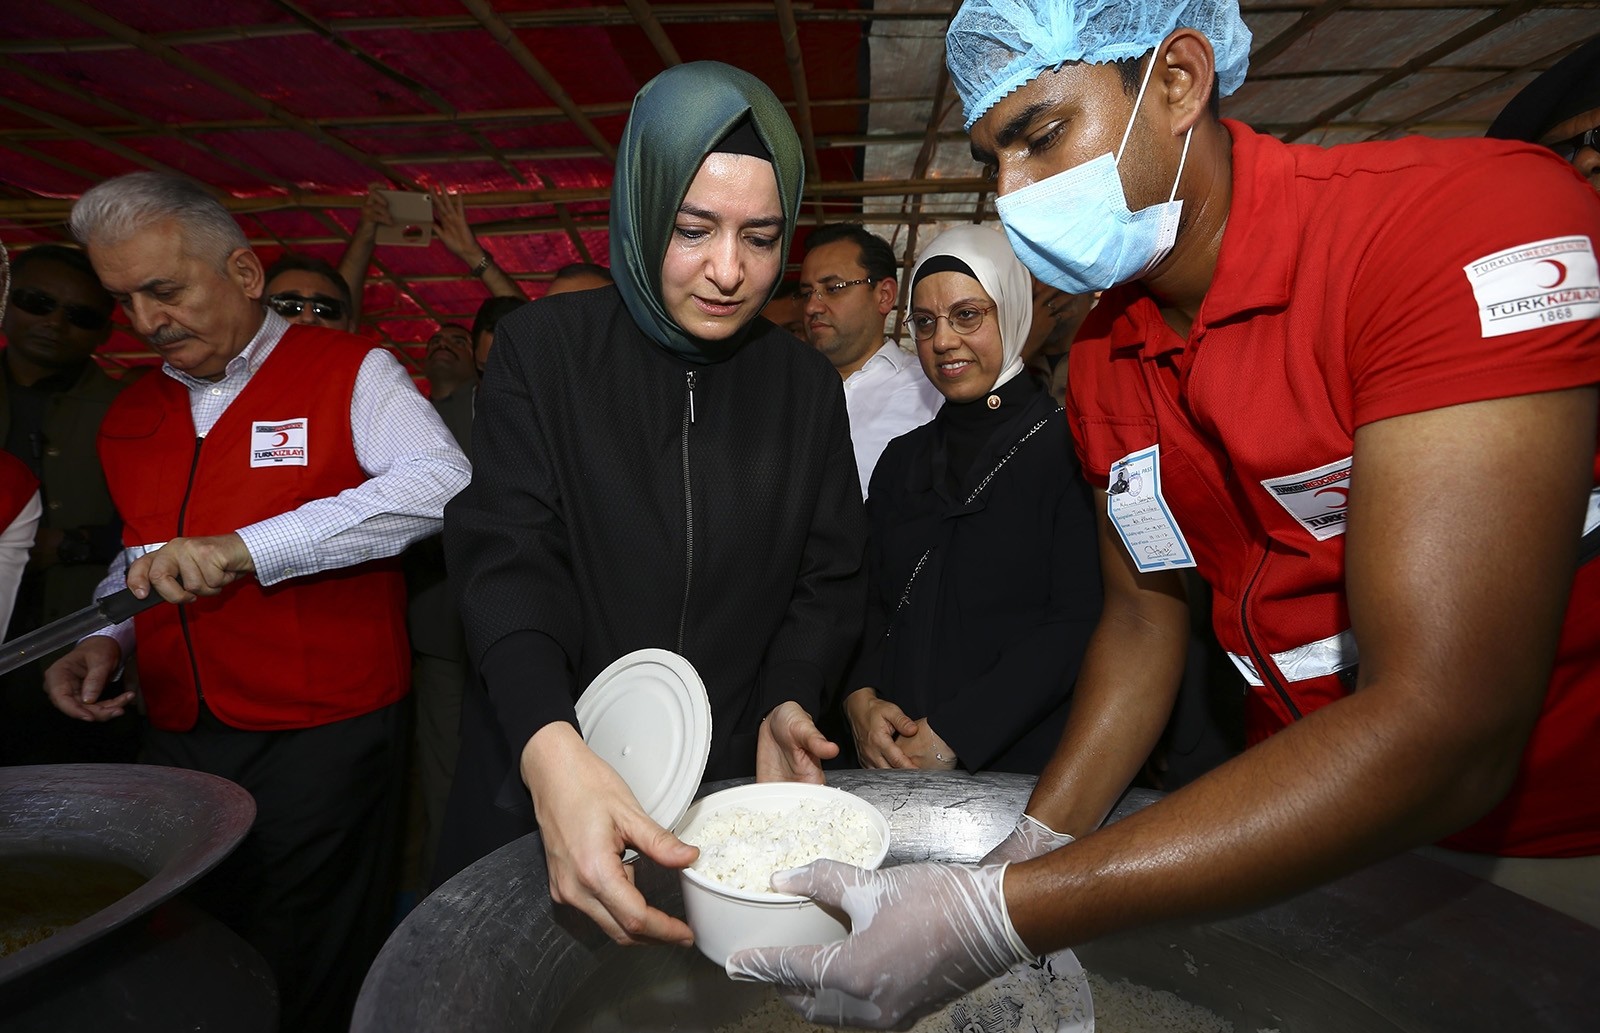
<point x="679" y="117"/>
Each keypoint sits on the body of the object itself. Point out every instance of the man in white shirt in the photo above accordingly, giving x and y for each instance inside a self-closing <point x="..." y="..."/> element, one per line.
<point x="847" y="287"/>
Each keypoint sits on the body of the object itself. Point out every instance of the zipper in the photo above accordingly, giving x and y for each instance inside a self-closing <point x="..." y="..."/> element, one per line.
<point x="183" y="611"/>
<point x="688" y="508"/>
<point x="1264" y="666"/>
<point x="905" y="593"/>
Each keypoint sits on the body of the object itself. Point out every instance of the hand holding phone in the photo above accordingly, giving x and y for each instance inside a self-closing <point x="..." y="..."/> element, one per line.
<point x="411" y="218"/>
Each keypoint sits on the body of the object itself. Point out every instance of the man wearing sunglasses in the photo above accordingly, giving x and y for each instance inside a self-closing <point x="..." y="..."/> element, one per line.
<point x="267" y="476"/>
<point x="55" y="395"/>
<point x="1561" y="109"/>
<point x="304" y="289"/>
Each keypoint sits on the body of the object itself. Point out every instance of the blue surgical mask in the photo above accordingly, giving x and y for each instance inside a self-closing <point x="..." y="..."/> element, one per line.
<point x="1074" y="230"/>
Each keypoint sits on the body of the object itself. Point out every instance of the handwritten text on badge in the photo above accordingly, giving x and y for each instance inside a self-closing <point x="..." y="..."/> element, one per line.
<point x="1142" y="517"/>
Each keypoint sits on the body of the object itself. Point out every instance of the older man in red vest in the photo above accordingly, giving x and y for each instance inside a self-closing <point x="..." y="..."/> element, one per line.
<point x="267" y="477"/>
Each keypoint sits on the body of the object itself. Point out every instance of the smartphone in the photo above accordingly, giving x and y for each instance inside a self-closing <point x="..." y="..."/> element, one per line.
<point x="413" y="219"/>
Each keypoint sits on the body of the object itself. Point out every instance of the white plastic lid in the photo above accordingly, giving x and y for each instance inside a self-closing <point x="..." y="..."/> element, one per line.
<point x="648" y="716"/>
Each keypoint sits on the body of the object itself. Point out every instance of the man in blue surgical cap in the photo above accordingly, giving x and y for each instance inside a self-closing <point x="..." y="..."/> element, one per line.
<point x="1421" y="639"/>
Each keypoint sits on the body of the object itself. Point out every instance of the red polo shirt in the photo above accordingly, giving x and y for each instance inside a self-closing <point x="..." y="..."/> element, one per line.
<point x="1355" y="284"/>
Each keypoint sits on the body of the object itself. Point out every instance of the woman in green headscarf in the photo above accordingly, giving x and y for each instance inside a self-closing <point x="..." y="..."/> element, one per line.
<point x="657" y="466"/>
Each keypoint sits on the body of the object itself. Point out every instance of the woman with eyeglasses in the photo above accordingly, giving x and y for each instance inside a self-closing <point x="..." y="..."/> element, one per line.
<point x="983" y="565"/>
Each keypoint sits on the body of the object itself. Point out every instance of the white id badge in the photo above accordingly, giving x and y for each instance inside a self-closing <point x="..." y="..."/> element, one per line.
<point x="1142" y="517"/>
<point x="278" y="442"/>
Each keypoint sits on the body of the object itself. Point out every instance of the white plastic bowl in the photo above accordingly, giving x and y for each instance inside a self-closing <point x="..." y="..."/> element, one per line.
<point x="725" y="919"/>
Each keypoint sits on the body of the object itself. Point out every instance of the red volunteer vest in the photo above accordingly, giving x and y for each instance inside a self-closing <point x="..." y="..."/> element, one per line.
<point x="306" y="651"/>
<point x="1255" y="416"/>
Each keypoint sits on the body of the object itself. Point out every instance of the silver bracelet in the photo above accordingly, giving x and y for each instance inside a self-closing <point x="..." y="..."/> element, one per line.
<point x="483" y="263"/>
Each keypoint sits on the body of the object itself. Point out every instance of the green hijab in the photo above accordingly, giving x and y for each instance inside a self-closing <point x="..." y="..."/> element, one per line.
<point x="678" y="118"/>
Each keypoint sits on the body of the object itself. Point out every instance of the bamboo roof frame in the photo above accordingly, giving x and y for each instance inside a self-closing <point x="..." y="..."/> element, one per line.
<point x="929" y="195"/>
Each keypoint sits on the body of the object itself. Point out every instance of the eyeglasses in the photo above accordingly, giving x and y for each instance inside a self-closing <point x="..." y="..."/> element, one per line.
<point x="804" y="291"/>
<point x="323" y="307"/>
<point x="1568" y="149"/>
<point x="963" y="320"/>
<point x="38" y="303"/>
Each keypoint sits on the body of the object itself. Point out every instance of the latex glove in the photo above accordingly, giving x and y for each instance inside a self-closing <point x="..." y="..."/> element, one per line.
<point x="923" y="935"/>
<point x="790" y="747"/>
<point x="1031" y="838"/>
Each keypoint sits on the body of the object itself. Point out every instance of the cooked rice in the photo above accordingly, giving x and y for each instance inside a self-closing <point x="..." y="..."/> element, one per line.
<point x="742" y="847"/>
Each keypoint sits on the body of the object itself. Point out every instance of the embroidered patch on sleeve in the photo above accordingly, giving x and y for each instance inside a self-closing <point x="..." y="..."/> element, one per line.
<point x="1533" y="285"/>
<point x="1317" y="498"/>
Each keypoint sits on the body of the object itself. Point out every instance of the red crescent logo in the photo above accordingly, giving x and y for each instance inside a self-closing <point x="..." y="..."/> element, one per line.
<point x="1561" y="273"/>
<point x="1343" y="493"/>
<point x="283" y="439"/>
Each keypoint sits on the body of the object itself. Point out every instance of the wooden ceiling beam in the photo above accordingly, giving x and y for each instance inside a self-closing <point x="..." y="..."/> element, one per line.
<point x="422" y="92"/>
<point x="521" y="116"/>
<point x="148" y="126"/>
<point x="59" y="217"/>
<point x="508" y="39"/>
<point x="430" y="97"/>
<point x="512" y="198"/>
<point x="511" y="228"/>
<point x="248" y="97"/>
<point x="789" y="31"/>
<point x="1416" y="119"/>
<point x="911" y="204"/>
<point x="574" y="17"/>
<point x="581" y="152"/>
<point x="645" y="17"/>
<point x="87" y="136"/>
<point x="1477" y="30"/>
<point x="1263" y="55"/>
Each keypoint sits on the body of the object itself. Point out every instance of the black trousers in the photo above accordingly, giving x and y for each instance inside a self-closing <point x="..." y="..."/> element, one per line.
<point x="488" y="806"/>
<point x="312" y="886"/>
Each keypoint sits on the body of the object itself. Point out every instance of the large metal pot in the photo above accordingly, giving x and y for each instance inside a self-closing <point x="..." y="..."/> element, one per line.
<point x="147" y="961"/>
<point x="1407" y="945"/>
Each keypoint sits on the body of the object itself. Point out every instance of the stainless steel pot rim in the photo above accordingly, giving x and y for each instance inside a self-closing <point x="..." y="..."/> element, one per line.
<point x="53" y="804"/>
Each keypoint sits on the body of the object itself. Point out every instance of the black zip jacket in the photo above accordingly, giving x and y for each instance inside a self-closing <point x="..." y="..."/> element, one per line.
<point x="624" y="499"/>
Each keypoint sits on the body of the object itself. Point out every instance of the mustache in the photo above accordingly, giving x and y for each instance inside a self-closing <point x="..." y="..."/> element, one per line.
<point x="169" y="335"/>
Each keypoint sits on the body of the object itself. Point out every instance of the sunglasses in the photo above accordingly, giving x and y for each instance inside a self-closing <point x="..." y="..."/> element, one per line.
<point x="38" y="303"/>
<point x="291" y="305"/>
<point x="1569" y="148"/>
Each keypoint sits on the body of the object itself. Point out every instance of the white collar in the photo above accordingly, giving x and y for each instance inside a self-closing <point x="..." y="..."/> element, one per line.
<point x="249" y="359"/>
<point x="892" y="353"/>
